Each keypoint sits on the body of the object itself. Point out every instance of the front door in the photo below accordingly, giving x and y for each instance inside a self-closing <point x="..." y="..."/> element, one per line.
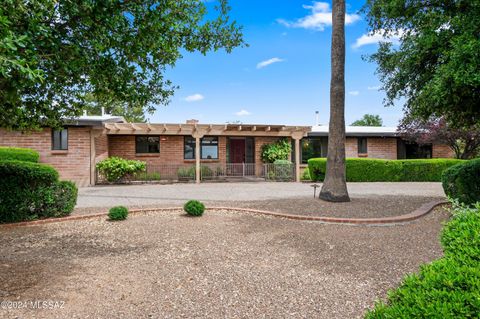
<point x="237" y="156"/>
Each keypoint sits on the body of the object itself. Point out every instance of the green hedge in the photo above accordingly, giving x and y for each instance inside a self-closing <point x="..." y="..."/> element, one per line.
<point x="378" y="170"/>
<point x="18" y="154"/>
<point x="31" y="191"/>
<point x="462" y="182"/>
<point x="448" y="287"/>
<point x="115" y="169"/>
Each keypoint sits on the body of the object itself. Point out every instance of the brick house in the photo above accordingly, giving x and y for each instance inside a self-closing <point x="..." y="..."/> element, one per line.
<point x="232" y="149"/>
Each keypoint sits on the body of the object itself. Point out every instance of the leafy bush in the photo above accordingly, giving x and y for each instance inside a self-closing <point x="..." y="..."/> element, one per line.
<point x="194" y="208"/>
<point x="448" y="287"/>
<point x="116" y="168"/>
<point x="145" y="176"/>
<point x="118" y="213"/>
<point x="18" y="154"/>
<point x="305" y="175"/>
<point x="279" y="150"/>
<point x="461" y="236"/>
<point x="378" y="170"/>
<point x="281" y="170"/>
<point x="57" y="200"/>
<point x="188" y="173"/>
<point x="462" y="182"/>
<point x="31" y="190"/>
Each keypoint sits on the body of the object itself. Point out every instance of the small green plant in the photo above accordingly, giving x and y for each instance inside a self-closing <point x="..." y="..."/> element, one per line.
<point x="280" y="150"/>
<point x="186" y="173"/>
<point x="305" y="175"/>
<point x="142" y="176"/>
<point x="194" y="208"/>
<point x="116" y="168"/>
<point x="118" y="213"/>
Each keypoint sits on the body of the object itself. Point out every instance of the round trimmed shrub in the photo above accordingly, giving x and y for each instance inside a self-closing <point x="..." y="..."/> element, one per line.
<point x="462" y="182"/>
<point x="18" y="154"/>
<point x="194" y="208"/>
<point x="118" y="213"/>
<point x="28" y="191"/>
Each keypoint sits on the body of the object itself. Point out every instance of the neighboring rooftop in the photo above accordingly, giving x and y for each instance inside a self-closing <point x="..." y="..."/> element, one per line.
<point x="95" y="120"/>
<point x="380" y="131"/>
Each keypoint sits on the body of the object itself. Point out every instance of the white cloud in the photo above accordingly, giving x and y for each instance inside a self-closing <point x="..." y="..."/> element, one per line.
<point x="242" y="113"/>
<point x="373" y="88"/>
<point x="379" y="36"/>
<point x="268" y="62"/>
<point x="320" y="16"/>
<point x="354" y="93"/>
<point x="194" y="98"/>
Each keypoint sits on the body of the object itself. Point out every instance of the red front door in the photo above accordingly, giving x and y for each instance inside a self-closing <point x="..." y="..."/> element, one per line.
<point x="237" y="151"/>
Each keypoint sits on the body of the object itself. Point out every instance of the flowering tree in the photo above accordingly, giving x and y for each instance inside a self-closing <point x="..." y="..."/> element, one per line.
<point x="465" y="142"/>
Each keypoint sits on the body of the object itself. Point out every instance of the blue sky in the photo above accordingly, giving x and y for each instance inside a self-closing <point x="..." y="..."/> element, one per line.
<point x="283" y="77"/>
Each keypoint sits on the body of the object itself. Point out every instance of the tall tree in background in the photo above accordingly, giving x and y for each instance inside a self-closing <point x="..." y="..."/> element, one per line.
<point x="131" y="113"/>
<point x="464" y="142"/>
<point x="334" y="187"/>
<point x="436" y="67"/>
<point x="369" y="120"/>
<point x="53" y="54"/>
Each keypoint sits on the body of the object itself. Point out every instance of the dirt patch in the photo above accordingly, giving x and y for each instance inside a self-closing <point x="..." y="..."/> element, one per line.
<point x="234" y="265"/>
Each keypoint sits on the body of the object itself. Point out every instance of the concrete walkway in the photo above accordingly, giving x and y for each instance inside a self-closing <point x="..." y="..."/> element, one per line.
<point x="178" y="194"/>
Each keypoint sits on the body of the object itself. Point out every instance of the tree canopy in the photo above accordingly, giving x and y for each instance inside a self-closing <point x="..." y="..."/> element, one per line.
<point x="369" y="120"/>
<point x="465" y="142"/>
<point x="436" y="67"/>
<point x="55" y="53"/>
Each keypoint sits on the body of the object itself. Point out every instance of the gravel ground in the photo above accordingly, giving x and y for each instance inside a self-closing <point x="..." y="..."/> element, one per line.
<point x="234" y="265"/>
<point x="358" y="207"/>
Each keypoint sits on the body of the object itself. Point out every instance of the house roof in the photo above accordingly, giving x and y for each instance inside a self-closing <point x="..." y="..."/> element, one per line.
<point x="379" y="131"/>
<point x="205" y="129"/>
<point x="94" y="120"/>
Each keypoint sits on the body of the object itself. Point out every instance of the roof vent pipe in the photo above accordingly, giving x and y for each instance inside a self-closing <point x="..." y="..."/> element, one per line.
<point x="317" y="115"/>
<point x="103" y="111"/>
<point x="85" y="113"/>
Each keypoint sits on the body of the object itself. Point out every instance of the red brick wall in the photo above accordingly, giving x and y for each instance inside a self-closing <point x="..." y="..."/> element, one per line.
<point x="101" y="148"/>
<point x="73" y="164"/>
<point x="442" y="151"/>
<point x="171" y="150"/>
<point x="377" y="147"/>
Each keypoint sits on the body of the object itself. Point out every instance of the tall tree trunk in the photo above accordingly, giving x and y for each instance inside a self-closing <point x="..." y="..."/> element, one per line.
<point x="334" y="187"/>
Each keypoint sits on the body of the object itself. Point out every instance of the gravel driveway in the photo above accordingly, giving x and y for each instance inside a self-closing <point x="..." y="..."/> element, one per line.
<point x="178" y="194"/>
<point x="166" y="265"/>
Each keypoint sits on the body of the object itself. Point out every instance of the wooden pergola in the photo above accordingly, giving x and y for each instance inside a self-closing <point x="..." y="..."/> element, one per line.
<point x="200" y="130"/>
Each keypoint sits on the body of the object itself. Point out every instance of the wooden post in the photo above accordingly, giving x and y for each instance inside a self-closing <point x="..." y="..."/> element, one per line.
<point x="197" y="160"/>
<point x="297" y="136"/>
<point x="297" y="160"/>
<point x="197" y="134"/>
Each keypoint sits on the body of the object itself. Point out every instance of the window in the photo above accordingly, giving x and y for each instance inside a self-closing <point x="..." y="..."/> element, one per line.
<point x="147" y="144"/>
<point x="189" y="148"/>
<point x="60" y="140"/>
<point x="312" y="147"/>
<point x="362" y="145"/>
<point x="208" y="147"/>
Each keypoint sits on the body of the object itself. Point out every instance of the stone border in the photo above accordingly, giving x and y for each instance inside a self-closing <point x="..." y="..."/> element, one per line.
<point x="417" y="213"/>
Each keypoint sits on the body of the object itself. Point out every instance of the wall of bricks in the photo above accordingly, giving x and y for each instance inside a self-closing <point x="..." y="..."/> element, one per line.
<point x="171" y="150"/>
<point x="101" y="148"/>
<point x="442" y="151"/>
<point x="73" y="164"/>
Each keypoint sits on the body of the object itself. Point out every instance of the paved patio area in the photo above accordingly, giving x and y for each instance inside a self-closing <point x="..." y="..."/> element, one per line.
<point x="177" y="194"/>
